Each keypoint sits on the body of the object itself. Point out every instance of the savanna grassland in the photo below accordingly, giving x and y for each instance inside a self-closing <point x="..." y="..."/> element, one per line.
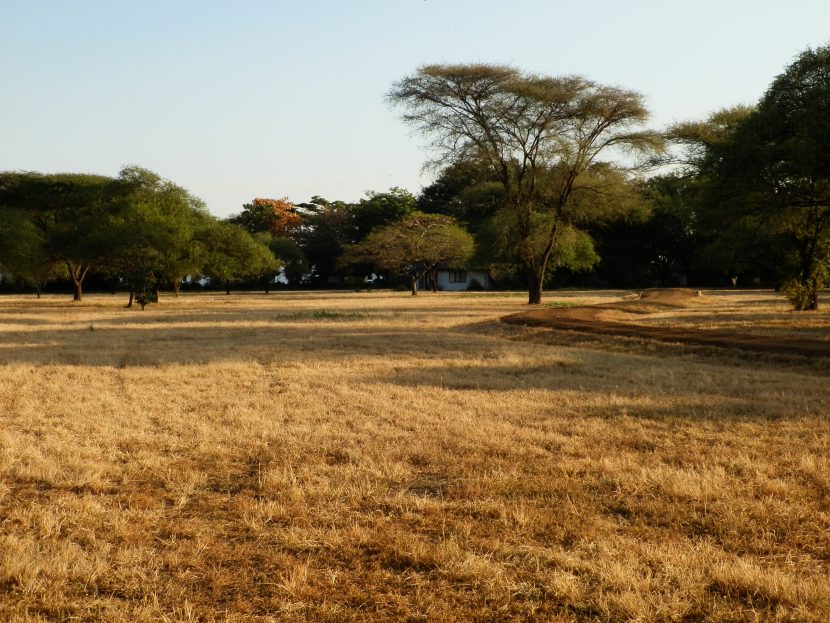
<point x="382" y="457"/>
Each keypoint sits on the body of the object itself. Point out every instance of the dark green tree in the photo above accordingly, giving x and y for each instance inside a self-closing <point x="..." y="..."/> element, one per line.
<point x="73" y="214"/>
<point x="326" y="228"/>
<point x="468" y="191"/>
<point x="378" y="209"/>
<point x="23" y="250"/>
<point x="723" y="225"/>
<point x="784" y="156"/>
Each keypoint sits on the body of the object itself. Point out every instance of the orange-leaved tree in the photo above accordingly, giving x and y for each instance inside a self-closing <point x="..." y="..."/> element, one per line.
<point x="278" y="217"/>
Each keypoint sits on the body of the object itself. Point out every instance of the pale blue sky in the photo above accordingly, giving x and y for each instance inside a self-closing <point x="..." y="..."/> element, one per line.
<point x="243" y="99"/>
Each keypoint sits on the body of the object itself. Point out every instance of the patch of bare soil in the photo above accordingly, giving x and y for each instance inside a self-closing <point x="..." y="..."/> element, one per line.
<point x="621" y="319"/>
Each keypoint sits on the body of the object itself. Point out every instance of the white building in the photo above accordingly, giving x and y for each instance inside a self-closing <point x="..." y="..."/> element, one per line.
<point x="456" y="280"/>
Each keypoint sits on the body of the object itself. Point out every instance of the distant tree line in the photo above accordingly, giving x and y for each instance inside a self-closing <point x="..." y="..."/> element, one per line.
<point x="542" y="181"/>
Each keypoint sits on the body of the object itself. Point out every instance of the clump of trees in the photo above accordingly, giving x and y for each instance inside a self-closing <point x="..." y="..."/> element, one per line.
<point x="750" y="188"/>
<point x="774" y="171"/>
<point x="137" y="229"/>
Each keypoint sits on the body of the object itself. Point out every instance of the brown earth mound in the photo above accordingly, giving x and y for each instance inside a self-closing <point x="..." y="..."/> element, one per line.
<point x="616" y="319"/>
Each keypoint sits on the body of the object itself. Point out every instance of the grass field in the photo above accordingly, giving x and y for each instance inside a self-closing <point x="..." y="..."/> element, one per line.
<point x="381" y="457"/>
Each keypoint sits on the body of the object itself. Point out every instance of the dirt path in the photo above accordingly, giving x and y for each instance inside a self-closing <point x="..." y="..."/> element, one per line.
<point x="598" y="319"/>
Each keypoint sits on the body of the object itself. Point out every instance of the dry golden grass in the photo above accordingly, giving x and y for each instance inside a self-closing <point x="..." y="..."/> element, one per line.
<point x="379" y="457"/>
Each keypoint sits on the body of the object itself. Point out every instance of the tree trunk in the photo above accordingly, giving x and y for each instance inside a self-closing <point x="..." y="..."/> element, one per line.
<point x="536" y="273"/>
<point x="812" y="303"/>
<point x="535" y="281"/>
<point x="130" y="302"/>
<point x="177" y="284"/>
<point x="413" y="285"/>
<point x="228" y="288"/>
<point x="37" y="291"/>
<point x="77" y="274"/>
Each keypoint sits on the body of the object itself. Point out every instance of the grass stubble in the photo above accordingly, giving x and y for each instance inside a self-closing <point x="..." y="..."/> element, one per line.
<point x="379" y="457"/>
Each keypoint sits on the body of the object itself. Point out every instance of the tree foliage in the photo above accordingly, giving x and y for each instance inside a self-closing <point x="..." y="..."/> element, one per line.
<point x="378" y="209"/>
<point x="157" y="225"/>
<point x="23" y="250"/>
<point x="327" y="227"/>
<point x="137" y="228"/>
<point x="233" y="254"/>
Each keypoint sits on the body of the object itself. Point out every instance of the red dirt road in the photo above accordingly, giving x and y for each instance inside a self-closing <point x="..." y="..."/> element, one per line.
<point x="599" y="319"/>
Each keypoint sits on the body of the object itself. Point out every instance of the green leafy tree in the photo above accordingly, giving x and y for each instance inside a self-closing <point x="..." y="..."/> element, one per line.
<point x="720" y="223"/>
<point x="414" y="246"/>
<point x="542" y="137"/>
<point x="378" y="209"/>
<point x="788" y="144"/>
<point x="233" y="254"/>
<point x="157" y="225"/>
<point x="468" y="191"/>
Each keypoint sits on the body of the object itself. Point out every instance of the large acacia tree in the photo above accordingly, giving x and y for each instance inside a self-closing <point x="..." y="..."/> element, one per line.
<point x="543" y="138"/>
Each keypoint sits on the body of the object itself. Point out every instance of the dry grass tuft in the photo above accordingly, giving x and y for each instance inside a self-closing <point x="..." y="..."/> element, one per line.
<point x="379" y="457"/>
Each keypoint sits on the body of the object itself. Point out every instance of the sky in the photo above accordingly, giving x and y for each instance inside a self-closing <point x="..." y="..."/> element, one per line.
<point x="240" y="99"/>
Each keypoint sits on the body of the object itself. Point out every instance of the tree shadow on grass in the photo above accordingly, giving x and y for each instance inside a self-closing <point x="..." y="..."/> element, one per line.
<point x="477" y="357"/>
<point x="636" y="390"/>
<point x="299" y="336"/>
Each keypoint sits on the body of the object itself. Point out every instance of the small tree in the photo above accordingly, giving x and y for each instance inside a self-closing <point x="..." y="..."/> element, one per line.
<point x="413" y="246"/>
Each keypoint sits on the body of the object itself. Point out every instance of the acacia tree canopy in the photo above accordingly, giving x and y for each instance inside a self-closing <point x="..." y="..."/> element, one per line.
<point x="413" y="246"/>
<point x="71" y="213"/>
<point x="539" y="135"/>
